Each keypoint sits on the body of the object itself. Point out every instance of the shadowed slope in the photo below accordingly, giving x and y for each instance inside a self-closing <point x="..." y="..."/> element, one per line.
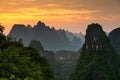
<point x="98" y="60"/>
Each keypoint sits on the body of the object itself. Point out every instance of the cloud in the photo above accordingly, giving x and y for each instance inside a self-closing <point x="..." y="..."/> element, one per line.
<point x="57" y="11"/>
<point x="61" y="11"/>
<point x="51" y="5"/>
<point x="30" y="0"/>
<point x="12" y="3"/>
<point x="35" y="13"/>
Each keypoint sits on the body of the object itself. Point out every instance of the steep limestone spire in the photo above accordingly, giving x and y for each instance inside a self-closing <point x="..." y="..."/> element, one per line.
<point x="98" y="60"/>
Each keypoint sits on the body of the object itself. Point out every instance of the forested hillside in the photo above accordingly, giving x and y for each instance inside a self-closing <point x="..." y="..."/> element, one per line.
<point x="98" y="60"/>
<point x="22" y="63"/>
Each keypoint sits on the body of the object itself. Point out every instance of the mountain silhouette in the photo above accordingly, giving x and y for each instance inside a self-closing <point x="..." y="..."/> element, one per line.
<point x="50" y="38"/>
<point x="81" y="36"/>
<point x="20" y="31"/>
<point x="75" y="39"/>
<point x="98" y="60"/>
<point x="114" y="37"/>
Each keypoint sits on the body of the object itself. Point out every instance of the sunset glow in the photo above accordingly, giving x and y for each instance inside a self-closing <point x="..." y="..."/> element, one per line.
<point x="73" y="15"/>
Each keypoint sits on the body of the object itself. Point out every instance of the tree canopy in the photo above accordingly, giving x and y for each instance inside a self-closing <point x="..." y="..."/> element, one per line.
<point x="1" y="28"/>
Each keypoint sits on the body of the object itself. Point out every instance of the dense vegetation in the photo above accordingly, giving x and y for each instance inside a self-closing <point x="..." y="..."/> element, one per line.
<point x="62" y="62"/>
<point x="65" y="62"/>
<point x="98" y="60"/>
<point x="22" y="63"/>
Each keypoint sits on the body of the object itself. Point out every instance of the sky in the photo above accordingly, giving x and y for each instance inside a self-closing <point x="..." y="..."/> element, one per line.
<point x="71" y="15"/>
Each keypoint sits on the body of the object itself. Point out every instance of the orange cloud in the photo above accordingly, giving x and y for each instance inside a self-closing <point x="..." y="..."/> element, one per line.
<point x="59" y="12"/>
<point x="35" y="13"/>
<point x="30" y="0"/>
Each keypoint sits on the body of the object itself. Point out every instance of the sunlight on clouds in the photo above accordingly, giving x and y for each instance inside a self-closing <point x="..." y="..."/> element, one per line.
<point x="30" y="0"/>
<point x="59" y="12"/>
<point x="110" y="18"/>
<point x="89" y="18"/>
<point x="35" y="13"/>
<point x="15" y="16"/>
<point x="54" y="12"/>
<point x="51" y="5"/>
<point x="12" y="3"/>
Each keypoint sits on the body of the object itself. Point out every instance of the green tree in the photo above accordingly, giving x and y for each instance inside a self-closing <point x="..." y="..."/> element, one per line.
<point x="2" y="28"/>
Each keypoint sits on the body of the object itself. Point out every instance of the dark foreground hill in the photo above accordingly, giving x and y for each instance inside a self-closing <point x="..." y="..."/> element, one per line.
<point x="114" y="37"/>
<point x="50" y="38"/>
<point x="98" y="60"/>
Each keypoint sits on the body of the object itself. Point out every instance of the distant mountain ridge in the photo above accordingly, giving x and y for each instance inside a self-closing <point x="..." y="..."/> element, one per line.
<point x="50" y="38"/>
<point x="72" y="36"/>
